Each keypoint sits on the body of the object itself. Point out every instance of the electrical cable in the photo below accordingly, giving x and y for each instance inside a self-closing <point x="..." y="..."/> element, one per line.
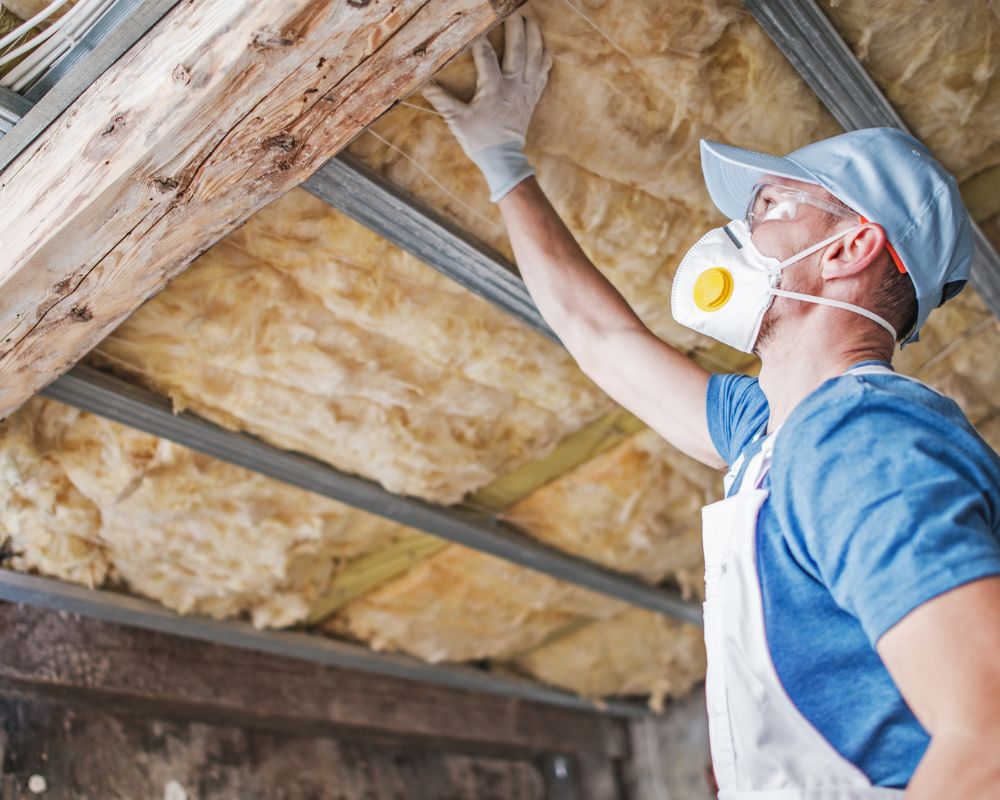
<point x="53" y="44"/>
<point x="437" y="183"/>
<point x="27" y="25"/>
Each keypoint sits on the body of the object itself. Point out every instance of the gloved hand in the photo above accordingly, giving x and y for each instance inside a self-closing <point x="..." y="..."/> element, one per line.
<point x="492" y="126"/>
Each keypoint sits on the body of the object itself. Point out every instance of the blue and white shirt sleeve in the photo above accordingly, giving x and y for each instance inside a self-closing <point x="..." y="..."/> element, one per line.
<point x="885" y="504"/>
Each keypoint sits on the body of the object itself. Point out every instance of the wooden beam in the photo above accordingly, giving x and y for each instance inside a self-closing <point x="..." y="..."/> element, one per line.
<point x="102" y="710"/>
<point x="122" y="609"/>
<point x="222" y="107"/>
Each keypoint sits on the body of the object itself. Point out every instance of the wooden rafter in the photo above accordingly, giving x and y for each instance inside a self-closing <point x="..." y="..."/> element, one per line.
<point x="221" y="107"/>
<point x="122" y="609"/>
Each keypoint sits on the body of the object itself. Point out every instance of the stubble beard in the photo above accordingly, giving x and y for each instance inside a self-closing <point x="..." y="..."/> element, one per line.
<point x="766" y="333"/>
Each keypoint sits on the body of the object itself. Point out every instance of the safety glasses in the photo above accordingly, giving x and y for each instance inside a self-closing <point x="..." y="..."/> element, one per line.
<point x="770" y="201"/>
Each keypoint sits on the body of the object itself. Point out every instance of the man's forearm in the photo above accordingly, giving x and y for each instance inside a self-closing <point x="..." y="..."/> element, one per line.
<point x="570" y="292"/>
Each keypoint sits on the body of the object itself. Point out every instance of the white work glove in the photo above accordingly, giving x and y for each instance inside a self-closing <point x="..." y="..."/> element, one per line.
<point x="492" y="126"/>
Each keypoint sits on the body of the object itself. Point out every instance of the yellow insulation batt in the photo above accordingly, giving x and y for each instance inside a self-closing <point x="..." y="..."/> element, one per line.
<point x="615" y="137"/>
<point x="88" y="500"/>
<point x="636" y="652"/>
<point x="635" y="508"/>
<point x="938" y="62"/>
<point x="313" y="333"/>
<point x="461" y="604"/>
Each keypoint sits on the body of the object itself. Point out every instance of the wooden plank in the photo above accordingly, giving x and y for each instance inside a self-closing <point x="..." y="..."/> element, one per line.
<point x="69" y="656"/>
<point x="95" y="752"/>
<point x="365" y="573"/>
<point x="222" y="107"/>
<point x="573" y="450"/>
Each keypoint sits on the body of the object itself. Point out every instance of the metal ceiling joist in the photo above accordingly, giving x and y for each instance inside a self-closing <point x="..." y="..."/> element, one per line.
<point x="352" y="187"/>
<point x="90" y="390"/>
<point x="820" y="55"/>
<point x="126" y="610"/>
<point x="13" y="107"/>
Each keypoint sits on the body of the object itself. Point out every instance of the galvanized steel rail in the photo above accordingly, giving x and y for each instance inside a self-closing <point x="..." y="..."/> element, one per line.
<point x="819" y="54"/>
<point x="352" y="187"/>
<point x="91" y="390"/>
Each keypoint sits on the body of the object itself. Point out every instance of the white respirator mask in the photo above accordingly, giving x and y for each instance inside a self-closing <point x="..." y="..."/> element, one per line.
<point x="724" y="286"/>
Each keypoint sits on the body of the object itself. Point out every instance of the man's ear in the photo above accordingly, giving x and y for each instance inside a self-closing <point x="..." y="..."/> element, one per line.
<point x="853" y="252"/>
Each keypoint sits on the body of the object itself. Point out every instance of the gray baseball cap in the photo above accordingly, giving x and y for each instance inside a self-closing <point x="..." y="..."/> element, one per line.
<point x="888" y="177"/>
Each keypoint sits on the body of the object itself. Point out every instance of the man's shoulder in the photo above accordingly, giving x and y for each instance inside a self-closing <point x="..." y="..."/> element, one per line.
<point x="881" y="416"/>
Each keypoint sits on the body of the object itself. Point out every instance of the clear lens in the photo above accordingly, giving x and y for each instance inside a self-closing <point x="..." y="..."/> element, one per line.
<point x="769" y="202"/>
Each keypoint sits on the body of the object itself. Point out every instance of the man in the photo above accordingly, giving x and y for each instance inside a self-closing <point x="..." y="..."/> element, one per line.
<point x="852" y="614"/>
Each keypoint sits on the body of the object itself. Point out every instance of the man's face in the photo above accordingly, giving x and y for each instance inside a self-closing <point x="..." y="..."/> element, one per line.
<point x="782" y="238"/>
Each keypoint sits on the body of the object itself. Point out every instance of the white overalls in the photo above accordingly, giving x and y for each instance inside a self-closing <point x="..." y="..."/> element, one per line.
<point x="762" y="746"/>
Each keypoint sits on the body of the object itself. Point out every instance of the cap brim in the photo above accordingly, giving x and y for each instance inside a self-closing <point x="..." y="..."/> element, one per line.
<point x="731" y="172"/>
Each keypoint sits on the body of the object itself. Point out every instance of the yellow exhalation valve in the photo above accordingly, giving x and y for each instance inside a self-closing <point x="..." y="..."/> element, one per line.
<point x="713" y="288"/>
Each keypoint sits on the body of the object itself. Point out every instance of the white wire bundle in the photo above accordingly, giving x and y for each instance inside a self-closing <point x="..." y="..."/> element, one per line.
<point x="47" y="48"/>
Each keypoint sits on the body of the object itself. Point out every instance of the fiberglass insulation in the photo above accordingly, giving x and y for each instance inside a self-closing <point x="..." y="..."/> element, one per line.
<point x="312" y="333"/>
<point x="89" y="500"/>
<point x="461" y="604"/>
<point x="636" y="652"/>
<point x="635" y="508"/>
<point x="614" y="142"/>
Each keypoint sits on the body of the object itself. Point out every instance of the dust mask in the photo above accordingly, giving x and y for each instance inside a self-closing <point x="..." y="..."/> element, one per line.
<point x="724" y="286"/>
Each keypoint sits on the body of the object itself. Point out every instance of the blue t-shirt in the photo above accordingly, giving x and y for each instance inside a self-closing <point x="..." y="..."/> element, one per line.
<point x="882" y="496"/>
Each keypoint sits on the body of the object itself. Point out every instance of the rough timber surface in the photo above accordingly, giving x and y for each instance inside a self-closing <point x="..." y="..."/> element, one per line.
<point x="105" y="711"/>
<point x="220" y="108"/>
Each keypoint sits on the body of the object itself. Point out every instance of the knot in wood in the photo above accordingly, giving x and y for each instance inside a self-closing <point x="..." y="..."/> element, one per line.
<point x="267" y="40"/>
<point x="282" y="141"/>
<point x="118" y="120"/>
<point x="81" y="313"/>
<point x="165" y="184"/>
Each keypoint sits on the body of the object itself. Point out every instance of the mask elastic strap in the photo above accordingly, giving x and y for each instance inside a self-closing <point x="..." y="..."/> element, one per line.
<point x="818" y="246"/>
<point x="825" y="301"/>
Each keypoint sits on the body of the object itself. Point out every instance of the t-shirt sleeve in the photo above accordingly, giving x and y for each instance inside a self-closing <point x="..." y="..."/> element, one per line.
<point x="736" y="409"/>
<point x="886" y="506"/>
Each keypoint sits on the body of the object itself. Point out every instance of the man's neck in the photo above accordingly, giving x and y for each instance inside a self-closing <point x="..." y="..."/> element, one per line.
<point x="792" y="367"/>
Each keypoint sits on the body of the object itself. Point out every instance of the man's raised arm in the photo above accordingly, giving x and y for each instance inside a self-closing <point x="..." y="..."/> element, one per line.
<point x="610" y="343"/>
